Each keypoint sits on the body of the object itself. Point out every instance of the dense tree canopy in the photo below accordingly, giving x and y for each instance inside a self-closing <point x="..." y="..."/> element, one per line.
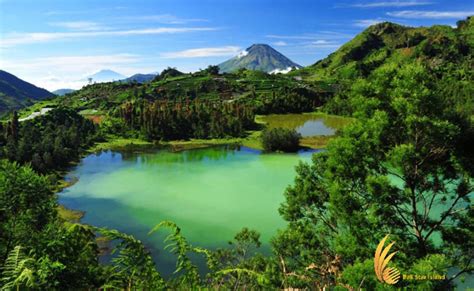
<point x="48" y="142"/>
<point x="404" y="167"/>
<point x="401" y="170"/>
<point x="191" y="119"/>
<point x="280" y="139"/>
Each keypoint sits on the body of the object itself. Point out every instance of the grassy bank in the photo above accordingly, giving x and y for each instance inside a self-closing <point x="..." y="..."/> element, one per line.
<point x="119" y="143"/>
<point x="69" y="215"/>
<point x="252" y="140"/>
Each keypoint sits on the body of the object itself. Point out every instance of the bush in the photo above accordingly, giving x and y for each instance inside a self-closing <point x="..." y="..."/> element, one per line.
<point x="280" y="139"/>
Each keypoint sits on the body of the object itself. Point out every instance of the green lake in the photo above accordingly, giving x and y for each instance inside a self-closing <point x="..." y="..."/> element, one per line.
<point x="210" y="193"/>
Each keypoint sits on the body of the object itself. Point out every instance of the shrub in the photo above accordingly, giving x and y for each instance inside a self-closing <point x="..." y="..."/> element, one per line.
<point x="280" y="139"/>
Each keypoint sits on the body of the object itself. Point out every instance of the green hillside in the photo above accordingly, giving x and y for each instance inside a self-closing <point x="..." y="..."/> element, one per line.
<point x="437" y="46"/>
<point x="16" y="93"/>
<point x="245" y="86"/>
<point x="378" y="55"/>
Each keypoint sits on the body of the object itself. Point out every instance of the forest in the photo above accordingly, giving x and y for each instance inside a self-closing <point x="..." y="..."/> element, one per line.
<point x="189" y="119"/>
<point x="404" y="167"/>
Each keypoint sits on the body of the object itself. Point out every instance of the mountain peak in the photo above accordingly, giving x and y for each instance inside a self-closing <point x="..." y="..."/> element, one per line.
<point x="259" y="45"/>
<point x="260" y="57"/>
<point x="106" y="75"/>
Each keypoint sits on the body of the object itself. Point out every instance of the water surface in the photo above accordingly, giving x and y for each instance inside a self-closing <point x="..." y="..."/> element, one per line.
<point x="307" y="124"/>
<point x="209" y="193"/>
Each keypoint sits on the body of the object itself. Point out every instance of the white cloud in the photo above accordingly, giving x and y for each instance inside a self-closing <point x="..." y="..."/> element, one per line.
<point x="79" y="25"/>
<point x="367" y="22"/>
<point x="312" y="36"/>
<point x="166" y="19"/>
<point x="242" y="54"/>
<point x="202" y="52"/>
<point x="69" y="71"/>
<point x="320" y="41"/>
<point x="390" y="4"/>
<point x="279" y="43"/>
<point x="282" y="71"/>
<point x="36" y="37"/>
<point x="417" y="14"/>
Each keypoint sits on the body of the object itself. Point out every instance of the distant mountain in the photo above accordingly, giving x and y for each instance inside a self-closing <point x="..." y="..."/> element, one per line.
<point x="105" y="76"/>
<point x="140" y="78"/>
<point x="260" y="57"/>
<point x="16" y="93"/>
<point x="61" y="92"/>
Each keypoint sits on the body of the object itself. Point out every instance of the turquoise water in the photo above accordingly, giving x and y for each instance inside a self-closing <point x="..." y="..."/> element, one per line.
<point x="209" y="193"/>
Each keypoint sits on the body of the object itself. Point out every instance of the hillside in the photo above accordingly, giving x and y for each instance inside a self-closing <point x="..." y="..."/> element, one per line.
<point x="16" y="93"/>
<point x="260" y="57"/>
<point x="139" y="78"/>
<point x="386" y="42"/>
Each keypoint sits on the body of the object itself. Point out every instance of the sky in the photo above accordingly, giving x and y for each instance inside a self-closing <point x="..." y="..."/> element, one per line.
<point x="56" y="44"/>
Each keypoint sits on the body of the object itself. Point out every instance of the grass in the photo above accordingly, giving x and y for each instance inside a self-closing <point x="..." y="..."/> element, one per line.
<point x="119" y="143"/>
<point x="316" y="142"/>
<point x="69" y="214"/>
<point x="252" y="140"/>
<point x="180" y="145"/>
<point x="25" y="112"/>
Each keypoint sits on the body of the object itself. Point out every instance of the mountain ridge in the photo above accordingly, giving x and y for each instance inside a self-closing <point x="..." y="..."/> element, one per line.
<point x="16" y="93"/>
<point x="387" y="42"/>
<point x="259" y="57"/>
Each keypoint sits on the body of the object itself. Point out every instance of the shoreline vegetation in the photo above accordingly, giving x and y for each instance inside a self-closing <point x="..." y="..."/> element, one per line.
<point x="251" y="140"/>
<point x="403" y="167"/>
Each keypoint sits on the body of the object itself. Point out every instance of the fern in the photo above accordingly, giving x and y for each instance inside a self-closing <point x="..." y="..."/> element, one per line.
<point x="180" y="247"/>
<point x="133" y="267"/>
<point x="18" y="270"/>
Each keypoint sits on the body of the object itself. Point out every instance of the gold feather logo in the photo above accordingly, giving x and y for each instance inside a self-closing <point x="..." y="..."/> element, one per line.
<point x="385" y="274"/>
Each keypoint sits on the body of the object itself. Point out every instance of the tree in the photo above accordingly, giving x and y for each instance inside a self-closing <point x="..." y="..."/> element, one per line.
<point x="370" y="182"/>
<point x="212" y="70"/>
<point x="27" y="205"/>
<point x="280" y="139"/>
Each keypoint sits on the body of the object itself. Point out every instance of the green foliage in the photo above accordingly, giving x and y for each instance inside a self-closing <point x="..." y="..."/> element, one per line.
<point x="404" y="168"/>
<point x="191" y="119"/>
<point x="16" y="93"/>
<point x="49" y="142"/>
<point x="168" y="73"/>
<point x="27" y="206"/>
<point x="280" y="139"/>
<point x="362" y="274"/>
<point x="399" y="169"/>
<point x="17" y="270"/>
<point x="286" y="100"/>
<point x="180" y="247"/>
<point x="59" y="256"/>
<point x="132" y="268"/>
<point x="431" y="265"/>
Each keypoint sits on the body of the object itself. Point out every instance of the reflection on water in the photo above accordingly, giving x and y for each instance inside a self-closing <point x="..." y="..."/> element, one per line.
<point x="310" y="124"/>
<point x="210" y="193"/>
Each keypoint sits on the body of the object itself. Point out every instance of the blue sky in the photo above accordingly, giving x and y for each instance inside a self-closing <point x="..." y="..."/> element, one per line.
<point x="53" y="44"/>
